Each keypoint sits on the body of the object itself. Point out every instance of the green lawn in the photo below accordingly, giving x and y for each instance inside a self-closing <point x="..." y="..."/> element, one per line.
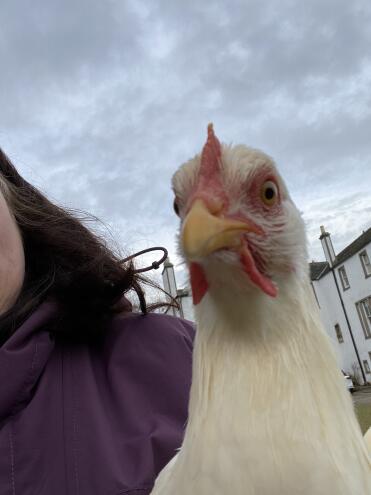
<point x="364" y="416"/>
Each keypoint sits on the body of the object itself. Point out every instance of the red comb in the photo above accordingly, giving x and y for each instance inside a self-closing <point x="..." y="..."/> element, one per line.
<point x="211" y="154"/>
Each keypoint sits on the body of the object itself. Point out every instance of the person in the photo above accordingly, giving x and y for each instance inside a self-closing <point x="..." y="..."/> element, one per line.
<point x="93" y="396"/>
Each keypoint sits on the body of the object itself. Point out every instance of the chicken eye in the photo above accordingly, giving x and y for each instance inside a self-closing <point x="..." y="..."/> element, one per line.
<point x="176" y="206"/>
<point x="269" y="193"/>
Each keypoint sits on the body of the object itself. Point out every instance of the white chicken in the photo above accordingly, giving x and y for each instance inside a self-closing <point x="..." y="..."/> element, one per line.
<point x="269" y="413"/>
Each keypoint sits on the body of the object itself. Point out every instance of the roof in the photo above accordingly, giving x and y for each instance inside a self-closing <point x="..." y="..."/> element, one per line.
<point x="354" y="247"/>
<point x="318" y="269"/>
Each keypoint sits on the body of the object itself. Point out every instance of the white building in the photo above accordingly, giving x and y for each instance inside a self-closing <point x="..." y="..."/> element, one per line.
<point x="182" y="296"/>
<point x="342" y="288"/>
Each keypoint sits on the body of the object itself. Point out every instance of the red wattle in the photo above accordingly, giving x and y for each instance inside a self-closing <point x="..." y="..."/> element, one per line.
<point x="198" y="282"/>
<point x="257" y="278"/>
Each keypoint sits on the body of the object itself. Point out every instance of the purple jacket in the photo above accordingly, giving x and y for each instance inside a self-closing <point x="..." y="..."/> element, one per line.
<point x="92" y="420"/>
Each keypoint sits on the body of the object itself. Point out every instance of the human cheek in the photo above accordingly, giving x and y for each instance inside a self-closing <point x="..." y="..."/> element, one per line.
<point x="12" y="264"/>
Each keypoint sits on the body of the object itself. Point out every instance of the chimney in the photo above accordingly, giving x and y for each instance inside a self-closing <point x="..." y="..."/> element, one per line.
<point x="168" y="279"/>
<point x="327" y="246"/>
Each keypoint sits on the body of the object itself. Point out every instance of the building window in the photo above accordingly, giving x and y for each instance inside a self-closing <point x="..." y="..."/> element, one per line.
<point x="344" y="278"/>
<point x="369" y="355"/>
<point x="364" y="313"/>
<point x="339" y="335"/>
<point x="366" y="366"/>
<point x="366" y="265"/>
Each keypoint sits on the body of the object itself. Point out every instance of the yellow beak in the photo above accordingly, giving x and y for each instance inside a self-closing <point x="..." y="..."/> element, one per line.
<point x="203" y="233"/>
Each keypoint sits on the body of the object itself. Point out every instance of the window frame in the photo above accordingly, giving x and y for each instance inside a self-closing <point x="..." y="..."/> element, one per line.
<point x="342" y="270"/>
<point x="365" y="318"/>
<point x="366" y="366"/>
<point x="364" y="255"/>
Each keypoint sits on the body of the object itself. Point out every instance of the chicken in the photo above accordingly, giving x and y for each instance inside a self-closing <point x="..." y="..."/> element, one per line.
<point x="269" y="413"/>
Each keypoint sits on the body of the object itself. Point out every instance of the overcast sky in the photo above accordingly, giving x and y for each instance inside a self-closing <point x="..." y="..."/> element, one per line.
<point x="101" y="101"/>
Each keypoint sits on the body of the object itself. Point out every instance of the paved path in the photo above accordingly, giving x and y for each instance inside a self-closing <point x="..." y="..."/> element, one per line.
<point x="362" y="396"/>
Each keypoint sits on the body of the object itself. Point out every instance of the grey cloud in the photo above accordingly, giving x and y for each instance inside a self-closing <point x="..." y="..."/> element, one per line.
<point x="101" y="101"/>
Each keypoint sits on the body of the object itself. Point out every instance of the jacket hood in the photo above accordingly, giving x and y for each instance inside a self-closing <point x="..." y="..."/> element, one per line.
<point x="24" y="355"/>
<point x="23" y="358"/>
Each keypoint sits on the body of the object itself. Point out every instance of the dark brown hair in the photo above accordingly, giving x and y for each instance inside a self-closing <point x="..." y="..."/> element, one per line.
<point x="65" y="261"/>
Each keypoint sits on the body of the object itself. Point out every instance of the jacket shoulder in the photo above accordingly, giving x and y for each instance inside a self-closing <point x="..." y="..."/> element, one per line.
<point x="149" y="370"/>
<point x="156" y="352"/>
<point x="153" y="330"/>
